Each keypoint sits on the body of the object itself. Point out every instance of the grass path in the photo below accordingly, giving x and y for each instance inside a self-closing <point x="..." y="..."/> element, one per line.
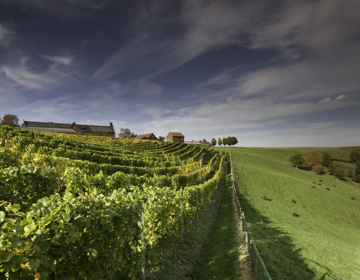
<point x="220" y="256"/>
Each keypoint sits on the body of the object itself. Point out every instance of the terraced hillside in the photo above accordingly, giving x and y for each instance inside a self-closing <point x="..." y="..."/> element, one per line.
<point x="71" y="205"/>
<point x="323" y="240"/>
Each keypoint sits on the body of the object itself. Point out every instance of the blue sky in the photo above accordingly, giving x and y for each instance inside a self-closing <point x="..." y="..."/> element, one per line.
<point x="271" y="73"/>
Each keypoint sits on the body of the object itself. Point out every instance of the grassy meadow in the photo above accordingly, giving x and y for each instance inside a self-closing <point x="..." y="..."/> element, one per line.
<point x="323" y="241"/>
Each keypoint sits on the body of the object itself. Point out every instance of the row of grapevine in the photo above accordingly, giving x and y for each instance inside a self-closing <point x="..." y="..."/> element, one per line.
<point x="66" y="216"/>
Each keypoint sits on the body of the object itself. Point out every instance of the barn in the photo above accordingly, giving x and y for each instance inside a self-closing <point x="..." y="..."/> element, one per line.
<point x="177" y="137"/>
<point x="74" y="128"/>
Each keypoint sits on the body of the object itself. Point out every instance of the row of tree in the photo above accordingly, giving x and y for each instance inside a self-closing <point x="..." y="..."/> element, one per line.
<point x="319" y="164"/>
<point x="230" y="141"/>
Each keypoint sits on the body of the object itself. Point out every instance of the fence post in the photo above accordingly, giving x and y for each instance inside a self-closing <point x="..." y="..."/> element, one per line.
<point x="252" y="258"/>
<point x="182" y="221"/>
<point x="142" y="237"/>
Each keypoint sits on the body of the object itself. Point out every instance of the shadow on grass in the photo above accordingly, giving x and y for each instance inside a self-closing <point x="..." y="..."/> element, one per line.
<point x="305" y="168"/>
<point x="276" y="246"/>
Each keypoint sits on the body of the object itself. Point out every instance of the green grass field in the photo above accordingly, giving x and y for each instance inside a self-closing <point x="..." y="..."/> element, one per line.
<point x="323" y="242"/>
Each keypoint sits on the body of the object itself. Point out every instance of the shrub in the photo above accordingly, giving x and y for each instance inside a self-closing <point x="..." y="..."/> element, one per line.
<point x="339" y="173"/>
<point x="331" y="169"/>
<point x="318" y="169"/>
<point x="350" y="173"/>
<point x="326" y="160"/>
<point x="355" y="155"/>
<point x="356" y="178"/>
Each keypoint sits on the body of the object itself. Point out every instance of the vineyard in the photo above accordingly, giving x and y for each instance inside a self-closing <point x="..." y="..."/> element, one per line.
<point x="72" y="206"/>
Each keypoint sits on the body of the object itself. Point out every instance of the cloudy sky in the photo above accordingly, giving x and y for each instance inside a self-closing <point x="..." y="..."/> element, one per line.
<point x="272" y="73"/>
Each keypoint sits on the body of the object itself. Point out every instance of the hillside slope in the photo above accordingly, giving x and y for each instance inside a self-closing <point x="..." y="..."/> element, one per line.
<point x="323" y="242"/>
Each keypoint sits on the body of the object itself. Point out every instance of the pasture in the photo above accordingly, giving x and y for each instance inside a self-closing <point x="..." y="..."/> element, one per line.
<point x="323" y="240"/>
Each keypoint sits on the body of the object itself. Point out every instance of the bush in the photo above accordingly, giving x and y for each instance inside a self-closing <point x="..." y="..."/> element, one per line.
<point x="355" y="155"/>
<point x="356" y="178"/>
<point x="331" y="169"/>
<point x="350" y="173"/>
<point x="326" y="160"/>
<point x="339" y="173"/>
<point x="318" y="169"/>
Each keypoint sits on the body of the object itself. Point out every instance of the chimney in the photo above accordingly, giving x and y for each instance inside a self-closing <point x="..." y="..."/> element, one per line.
<point x="111" y="124"/>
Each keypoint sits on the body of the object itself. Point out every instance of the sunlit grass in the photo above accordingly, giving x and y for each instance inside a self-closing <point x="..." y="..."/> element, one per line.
<point x="324" y="241"/>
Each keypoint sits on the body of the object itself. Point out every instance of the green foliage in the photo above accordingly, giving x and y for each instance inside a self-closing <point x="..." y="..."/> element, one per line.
<point x="213" y="141"/>
<point x="125" y="133"/>
<point x="326" y="160"/>
<point x="318" y="169"/>
<point x="296" y="159"/>
<point x="71" y="208"/>
<point x="339" y="172"/>
<point x="355" y="155"/>
<point x="219" y="142"/>
<point x="224" y="141"/>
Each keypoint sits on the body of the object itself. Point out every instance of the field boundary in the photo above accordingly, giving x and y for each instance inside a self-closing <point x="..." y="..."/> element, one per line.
<point x="258" y="267"/>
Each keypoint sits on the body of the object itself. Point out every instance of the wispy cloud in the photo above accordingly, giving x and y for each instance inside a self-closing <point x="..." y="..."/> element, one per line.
<point x="341" y="96"/>
<point x="324" y="100"/>
<point x="65" y="60"/>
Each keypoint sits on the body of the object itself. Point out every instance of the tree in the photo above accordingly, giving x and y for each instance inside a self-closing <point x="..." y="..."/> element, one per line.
<point x="355" y="155"/>
<point x="213" y="142"/>
<point x="161" y="138"/>
<point x="318" y="169"/>
<point x="219" y="141"/>
<point x="326" y="160"/>
<point x="231" y="141"/>
<point x="313" y="159"/>
<point x="125" y="133"/>
<point x="204" y="140"/>
<point x="224" y="141"/>
<point x="10" y="120"/>
<point x="296" y="159"/>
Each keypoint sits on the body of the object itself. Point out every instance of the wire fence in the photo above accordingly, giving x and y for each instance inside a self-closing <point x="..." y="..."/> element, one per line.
<point x="258" y="267"/>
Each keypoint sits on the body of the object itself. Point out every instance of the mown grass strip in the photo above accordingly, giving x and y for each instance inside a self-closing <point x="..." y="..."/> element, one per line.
<point x="220" y="257"/>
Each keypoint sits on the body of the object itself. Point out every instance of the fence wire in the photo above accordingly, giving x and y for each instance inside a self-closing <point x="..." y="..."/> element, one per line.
<point x="258" y="267"/>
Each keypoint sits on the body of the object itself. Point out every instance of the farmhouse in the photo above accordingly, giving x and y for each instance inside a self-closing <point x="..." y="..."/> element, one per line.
<point x="73" y="128"/>
<point x="148" y="136"/>
<point x="177" y="137"/>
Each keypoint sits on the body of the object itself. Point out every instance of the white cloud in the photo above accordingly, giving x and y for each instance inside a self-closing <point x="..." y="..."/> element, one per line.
<point x="65" y="60"/>
<point x="324" y="100"/>
<point x="341" y="96"/>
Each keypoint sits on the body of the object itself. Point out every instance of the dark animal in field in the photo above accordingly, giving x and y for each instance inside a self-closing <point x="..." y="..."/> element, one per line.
<point x="314" y="182"/>
<point x="319" y="184"/>
<point x="264" y="197"/>
<point x="353" y="198"/>
<point x="334" y="186"/>
<point x="320" y="180"/>
<point x="293" y="201"/>
<point x="313" y="187"/>
<point x="293" y="213"/>
<point x="327" y="189"/>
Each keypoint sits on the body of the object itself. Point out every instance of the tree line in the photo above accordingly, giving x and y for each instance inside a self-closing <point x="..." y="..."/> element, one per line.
<point x="230" y="141"/>
<point x="319" y="165"/>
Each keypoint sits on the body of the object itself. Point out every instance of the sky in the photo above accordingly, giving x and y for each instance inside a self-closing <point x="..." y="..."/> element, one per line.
<point x="271" y="73"/>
